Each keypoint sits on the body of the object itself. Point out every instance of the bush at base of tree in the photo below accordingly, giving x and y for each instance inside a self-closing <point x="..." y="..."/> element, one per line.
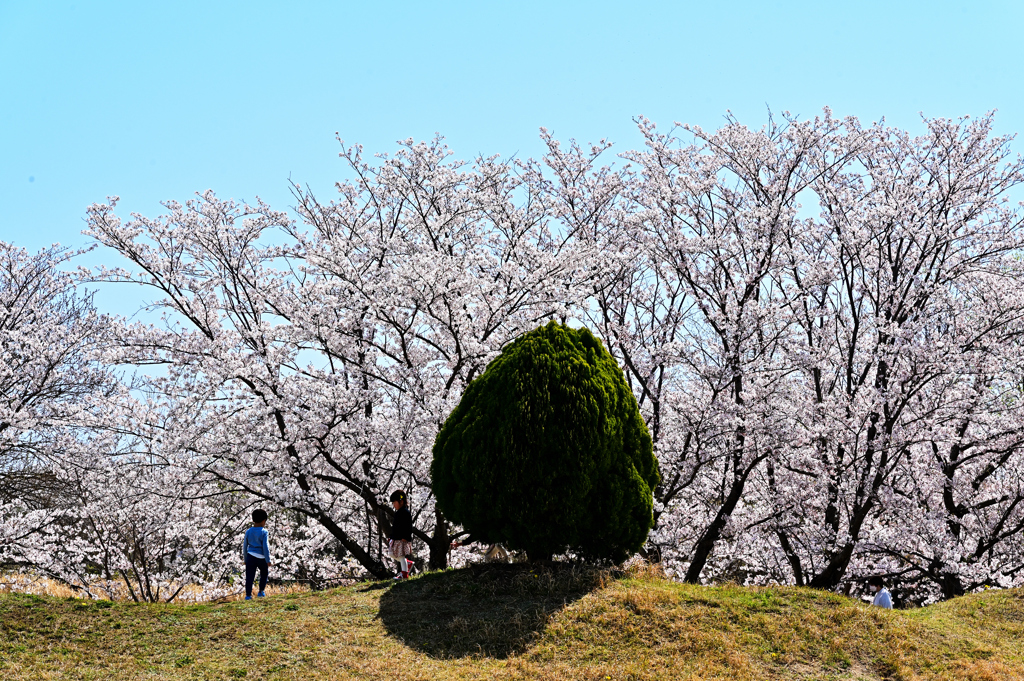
<point x="547" y="451"/>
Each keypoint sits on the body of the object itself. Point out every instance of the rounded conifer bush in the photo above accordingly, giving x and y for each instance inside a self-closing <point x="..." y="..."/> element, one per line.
<point x="547" y="451"/>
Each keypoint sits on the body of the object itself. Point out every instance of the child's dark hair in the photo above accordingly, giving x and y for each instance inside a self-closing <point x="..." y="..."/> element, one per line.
<point x="398" y="495"/>
<point x="876" y="581"/>
<point x="259" y="515"/>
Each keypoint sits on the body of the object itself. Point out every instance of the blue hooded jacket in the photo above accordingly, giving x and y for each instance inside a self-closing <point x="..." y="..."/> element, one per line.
<point x="256" y="543"/>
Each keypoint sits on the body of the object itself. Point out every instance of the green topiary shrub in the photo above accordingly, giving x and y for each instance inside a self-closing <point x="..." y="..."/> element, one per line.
<point x="547" y="451"/>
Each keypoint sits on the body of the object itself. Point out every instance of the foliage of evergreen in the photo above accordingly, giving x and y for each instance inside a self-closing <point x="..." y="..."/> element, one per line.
<point x="547" y="451"/>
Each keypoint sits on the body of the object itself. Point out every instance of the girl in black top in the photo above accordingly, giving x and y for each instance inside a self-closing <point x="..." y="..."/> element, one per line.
<point x="400" y="540"/>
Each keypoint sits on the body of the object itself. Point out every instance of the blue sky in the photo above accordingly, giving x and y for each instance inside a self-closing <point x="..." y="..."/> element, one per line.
<point x="155" y="101"/>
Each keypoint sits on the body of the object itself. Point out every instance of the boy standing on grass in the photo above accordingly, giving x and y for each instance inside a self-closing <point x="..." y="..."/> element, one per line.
<point x="256" y="553"/>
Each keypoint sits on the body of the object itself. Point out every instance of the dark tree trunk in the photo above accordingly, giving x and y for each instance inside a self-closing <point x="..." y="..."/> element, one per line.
<point x="835" y="570"/>
<point x="951" y="585"/>
<point x="833" y="573"/>
<point x="795" y="563"/>
<point x="373" y="566"/>
<point x="706" y="544"/>
<point x="439" y="543"/>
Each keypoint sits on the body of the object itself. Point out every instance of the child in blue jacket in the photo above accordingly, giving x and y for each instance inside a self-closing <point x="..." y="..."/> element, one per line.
<point x="256" y="553"/>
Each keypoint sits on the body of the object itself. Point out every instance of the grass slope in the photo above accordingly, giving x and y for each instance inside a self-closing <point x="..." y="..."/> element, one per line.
<point x="513" y="622"/>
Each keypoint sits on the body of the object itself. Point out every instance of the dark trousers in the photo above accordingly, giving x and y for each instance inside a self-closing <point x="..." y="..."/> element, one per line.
<point x="252" y="564"/>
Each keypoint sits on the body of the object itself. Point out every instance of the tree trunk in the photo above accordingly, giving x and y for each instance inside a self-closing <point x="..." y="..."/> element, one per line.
<point x="439" y="543"/>
<point x="951" y="585"/>
<point x="373" y="566"/>
<point x="794" y="560"/>
<point x="711" y="535"/>
<point x="833" y="573"/>
<point x="835" y="570"/>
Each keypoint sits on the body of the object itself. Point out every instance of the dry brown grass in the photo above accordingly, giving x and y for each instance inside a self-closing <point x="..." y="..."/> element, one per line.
<point x="25" y="583"/>
<point x="28" y="583"/>
<point x="517" y="623"/>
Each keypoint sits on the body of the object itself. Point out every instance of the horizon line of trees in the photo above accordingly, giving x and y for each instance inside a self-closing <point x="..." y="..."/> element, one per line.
<point x="821" y="323"/>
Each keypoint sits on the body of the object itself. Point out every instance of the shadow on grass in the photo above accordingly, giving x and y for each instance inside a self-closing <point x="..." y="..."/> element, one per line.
<point x="490" y="610"/>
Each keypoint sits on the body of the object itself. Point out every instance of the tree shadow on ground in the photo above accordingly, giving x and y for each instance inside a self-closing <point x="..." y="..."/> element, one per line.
<point x="489" y="610"/>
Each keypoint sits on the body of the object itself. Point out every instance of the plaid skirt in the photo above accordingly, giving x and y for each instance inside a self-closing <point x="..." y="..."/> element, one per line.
<point x="400" y="548"/>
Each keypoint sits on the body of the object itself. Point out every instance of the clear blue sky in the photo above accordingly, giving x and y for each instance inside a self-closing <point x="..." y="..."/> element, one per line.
<point x="154" y="101"/>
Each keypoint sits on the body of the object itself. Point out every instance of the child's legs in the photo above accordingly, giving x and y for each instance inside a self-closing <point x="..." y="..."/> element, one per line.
<point x="262" y="562"/>
<point x="400" y="552"/>
<point x="250" y="572"/>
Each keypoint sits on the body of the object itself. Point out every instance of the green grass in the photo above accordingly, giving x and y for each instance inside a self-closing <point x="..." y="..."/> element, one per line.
<point x="514" y="622"/>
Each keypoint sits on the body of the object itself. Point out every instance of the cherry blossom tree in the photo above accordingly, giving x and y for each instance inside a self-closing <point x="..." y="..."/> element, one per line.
<point x="821" y="323"/>
<point x="137" y="529"/>
<point x="914" y="234"/>
<point x="711" y="248"/>
<point x="47" y="331"/>
<point x="961" y="487"/>
<point x="688" y="303"/>
<point x="315" y="375"/>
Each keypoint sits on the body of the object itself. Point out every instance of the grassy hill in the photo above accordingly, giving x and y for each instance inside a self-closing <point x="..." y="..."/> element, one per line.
<point x="513" y="622"/>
